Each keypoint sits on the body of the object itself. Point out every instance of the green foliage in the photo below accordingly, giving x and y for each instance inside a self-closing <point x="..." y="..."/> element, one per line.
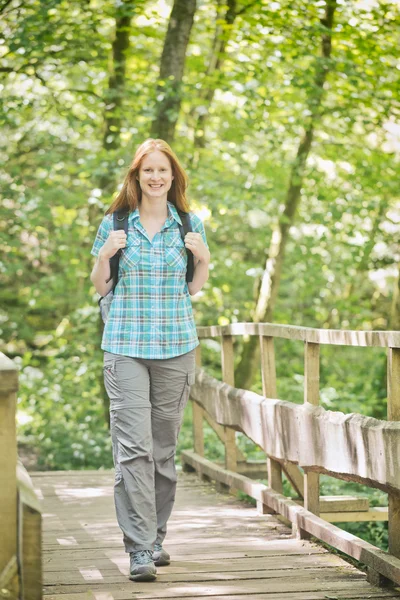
<point x="341" y="259"/>
<point x="59" y="405"/>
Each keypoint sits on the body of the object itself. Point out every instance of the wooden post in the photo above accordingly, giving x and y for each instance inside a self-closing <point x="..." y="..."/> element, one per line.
<point x="228" y="376"/>
<point x="311" y="395"/>
<point x="394" y="415"/>
<point x="268" y="375"/>
<point x="29" y="536"/>
<point x="8" y="488"/>
<point x="197" y="416"/>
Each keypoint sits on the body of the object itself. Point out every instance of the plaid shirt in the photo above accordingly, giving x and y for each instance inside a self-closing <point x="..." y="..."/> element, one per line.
<point x="151" y="312"/>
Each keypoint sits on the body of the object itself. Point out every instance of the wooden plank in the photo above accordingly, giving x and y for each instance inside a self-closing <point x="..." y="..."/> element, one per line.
<point x="51" y="476"/>
<point x="335" y="337"/>
<point x="56" y="570"/>
<point x="197" y="416"/>
<point x="341" y="504"/>
<point x="26" y="491"/>
<point x="295" y="476"/>
<point x="268" y="374"/>
<point x="217" y="541"/>
<point x="197" y="424"/>
<point x="195" y="552"/>
<point x="274" y="474"/>
<point x="337" y="593"/>
<point x="257" y="469"/>
<point x="268" y="369"/>
<point x="30" y="543"/>
<point x="380" y="561"/>
<point x="394" y="415"/>
<point x="311" y="373"/>
<point x="378" y="513"/>
<point x="311" y="395"/>
<point x="9" y="581"/>
<point x="228" y="377"/>
<point x="8" y="465"/>
<point x="250" y="588"/>
<point x="95" y="576"/>
<point x="219" y="548"/>
<point x="322" y="441"/>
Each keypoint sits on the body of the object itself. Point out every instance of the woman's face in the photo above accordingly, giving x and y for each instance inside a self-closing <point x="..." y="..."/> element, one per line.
<point x="155" y="175"/>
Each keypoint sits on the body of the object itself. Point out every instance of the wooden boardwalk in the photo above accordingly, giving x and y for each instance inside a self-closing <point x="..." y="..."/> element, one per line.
<point x="221" y="548"/>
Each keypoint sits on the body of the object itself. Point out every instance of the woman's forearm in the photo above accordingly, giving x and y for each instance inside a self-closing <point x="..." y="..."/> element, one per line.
<point x="200" y="276"/>
<point x="100" y="274"/>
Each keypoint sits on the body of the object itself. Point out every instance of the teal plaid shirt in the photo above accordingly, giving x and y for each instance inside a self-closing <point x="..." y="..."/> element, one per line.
<point x="151" y="313"/>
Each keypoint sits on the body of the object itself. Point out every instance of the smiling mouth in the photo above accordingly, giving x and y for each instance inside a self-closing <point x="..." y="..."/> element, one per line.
<point x="159" y="185"/>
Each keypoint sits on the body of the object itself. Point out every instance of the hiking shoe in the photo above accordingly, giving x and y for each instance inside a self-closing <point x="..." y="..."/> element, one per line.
<point x="161" y="557"/>
<point x="142" y="567"/>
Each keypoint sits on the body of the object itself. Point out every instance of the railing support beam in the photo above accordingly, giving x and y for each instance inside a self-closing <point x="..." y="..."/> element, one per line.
<point x="311" y="395"/>
<point x="197" y="416"/>
<point x="268" y="375"/>
<point x="393" y="409"/>
<point x="228" y="376"/>
<point x="8" y="468"/>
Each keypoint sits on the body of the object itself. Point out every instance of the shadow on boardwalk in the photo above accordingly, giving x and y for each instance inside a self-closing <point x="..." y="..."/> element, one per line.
<point x="221" y="548"/>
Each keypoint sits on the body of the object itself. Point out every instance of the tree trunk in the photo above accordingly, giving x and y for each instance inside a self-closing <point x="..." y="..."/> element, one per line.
<point x="116" y="89"/>
<point x="112" y="129"/>
<point x="171" y="70"/>
<point x="270" y="280"/>
<point x="215" y="63"/>
<point x="217" y="58"/>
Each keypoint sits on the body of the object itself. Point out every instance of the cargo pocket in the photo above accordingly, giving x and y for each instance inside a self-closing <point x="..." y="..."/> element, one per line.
<point x="109" y="374"/>
<point x="190" y="378"/>
<point x="175" y="250"/>
<point x="109" y="364"/>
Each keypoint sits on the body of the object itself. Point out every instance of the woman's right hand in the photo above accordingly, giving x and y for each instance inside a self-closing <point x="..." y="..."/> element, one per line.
<point x="115" y="241"/>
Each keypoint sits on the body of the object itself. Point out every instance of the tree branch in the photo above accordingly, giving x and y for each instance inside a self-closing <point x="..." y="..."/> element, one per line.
<point x="243" y="10"/>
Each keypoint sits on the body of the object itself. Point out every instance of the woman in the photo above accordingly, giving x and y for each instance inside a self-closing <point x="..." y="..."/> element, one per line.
<point x="149" y="343"/>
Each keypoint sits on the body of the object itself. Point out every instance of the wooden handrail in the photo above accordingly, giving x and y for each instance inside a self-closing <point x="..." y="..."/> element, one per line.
<point x="351" y="447"/>
<point x="322" y="441"/>
<point x="335" y="337"/>
<point x="20" y="514"/>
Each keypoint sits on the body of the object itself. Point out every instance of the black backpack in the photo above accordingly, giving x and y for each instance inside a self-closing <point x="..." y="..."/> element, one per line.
<point x="120" y="221"/>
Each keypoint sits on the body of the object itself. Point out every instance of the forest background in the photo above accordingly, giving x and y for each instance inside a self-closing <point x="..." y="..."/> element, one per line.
<point x="286" y="117"/>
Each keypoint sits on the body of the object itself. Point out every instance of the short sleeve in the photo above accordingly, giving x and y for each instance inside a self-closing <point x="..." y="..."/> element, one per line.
<point x="198" y="227"/>
<point x="102" y="235"/>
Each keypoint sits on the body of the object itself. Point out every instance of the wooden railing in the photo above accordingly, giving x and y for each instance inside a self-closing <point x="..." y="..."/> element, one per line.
<point x="304" y="441"/>
<point x="20" y="511"/>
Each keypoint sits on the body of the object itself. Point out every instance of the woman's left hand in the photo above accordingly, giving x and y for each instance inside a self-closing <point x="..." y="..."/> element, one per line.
<point x="195" y="243"/>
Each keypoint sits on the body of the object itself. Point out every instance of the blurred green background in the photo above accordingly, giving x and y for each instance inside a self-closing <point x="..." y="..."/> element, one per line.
<point x="285" y="116"/>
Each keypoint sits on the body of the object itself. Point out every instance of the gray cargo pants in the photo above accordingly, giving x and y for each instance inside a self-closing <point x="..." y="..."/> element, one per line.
<point x="147" y="399"/>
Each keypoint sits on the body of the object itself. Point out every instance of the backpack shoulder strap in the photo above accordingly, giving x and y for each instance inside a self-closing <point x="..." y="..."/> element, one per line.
<point x="184" y="228"/>
<point x="120" y="221"/>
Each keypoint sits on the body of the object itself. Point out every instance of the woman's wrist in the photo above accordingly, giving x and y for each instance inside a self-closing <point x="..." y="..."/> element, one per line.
<point x="101" y="257"/>
<point x="205" y="260"/>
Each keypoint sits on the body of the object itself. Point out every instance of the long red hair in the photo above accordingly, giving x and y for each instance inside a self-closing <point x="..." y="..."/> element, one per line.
<point x="130" y="195"/>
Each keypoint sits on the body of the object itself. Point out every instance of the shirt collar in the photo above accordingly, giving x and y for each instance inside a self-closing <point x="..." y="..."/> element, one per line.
<point x="172" y="212"/>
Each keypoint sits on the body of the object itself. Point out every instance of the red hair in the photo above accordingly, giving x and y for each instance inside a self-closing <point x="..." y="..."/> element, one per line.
<point x="131" y="194"/>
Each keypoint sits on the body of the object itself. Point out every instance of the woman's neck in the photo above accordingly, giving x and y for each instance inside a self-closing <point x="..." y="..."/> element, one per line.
<point x="157" y="211"/>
